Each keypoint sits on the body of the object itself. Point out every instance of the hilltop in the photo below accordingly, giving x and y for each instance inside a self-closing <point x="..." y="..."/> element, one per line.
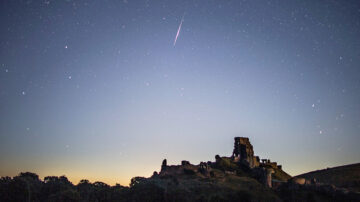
<point x="347" y="176"/>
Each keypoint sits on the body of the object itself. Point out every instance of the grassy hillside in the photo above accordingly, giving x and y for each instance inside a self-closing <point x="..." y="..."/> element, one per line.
<point x="223" y="187"/>
<point x="281" y="175"/>
<point x="347" y="176"/>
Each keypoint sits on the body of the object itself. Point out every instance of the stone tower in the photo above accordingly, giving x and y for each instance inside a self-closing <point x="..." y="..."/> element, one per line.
<point x="244" y="153"/>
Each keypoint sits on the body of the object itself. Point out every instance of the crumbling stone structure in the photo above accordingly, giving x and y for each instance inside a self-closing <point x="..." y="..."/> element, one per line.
<point x="163" y="165"/>
<point x="269" y="172"/>
<point x="268" y="163"/>
<point x="244" y="153"/>
<point x="264" y="175"/>
<point x="204" y="168"/>
<point x="242" y="158"/>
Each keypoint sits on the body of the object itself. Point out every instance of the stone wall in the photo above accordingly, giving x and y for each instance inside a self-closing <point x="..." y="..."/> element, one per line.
<point x="244" y="153"/>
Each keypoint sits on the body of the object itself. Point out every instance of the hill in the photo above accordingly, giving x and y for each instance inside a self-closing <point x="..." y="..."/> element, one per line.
<point x="347" y="176"/>
<point x="194" y="186"/>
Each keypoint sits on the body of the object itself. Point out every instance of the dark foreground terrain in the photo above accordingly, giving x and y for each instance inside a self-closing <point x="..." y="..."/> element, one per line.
<point x="28" y="187"/>
<point x="185" y="187"/>
<point x="241" y="177"/>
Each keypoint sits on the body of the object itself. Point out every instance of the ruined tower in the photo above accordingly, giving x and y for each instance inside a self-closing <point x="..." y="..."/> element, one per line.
<point x="244" y="153"/>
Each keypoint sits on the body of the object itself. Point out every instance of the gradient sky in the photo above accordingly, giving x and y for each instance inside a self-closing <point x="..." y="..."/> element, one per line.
<point x="97" y="90"/>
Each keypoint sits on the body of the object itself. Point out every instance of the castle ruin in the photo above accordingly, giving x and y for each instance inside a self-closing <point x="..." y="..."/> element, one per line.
<point x="242" y="156"/>
<point x="244" y="153"/>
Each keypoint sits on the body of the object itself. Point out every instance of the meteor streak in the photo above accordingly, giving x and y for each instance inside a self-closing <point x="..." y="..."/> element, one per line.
<point x="178" y="32"/>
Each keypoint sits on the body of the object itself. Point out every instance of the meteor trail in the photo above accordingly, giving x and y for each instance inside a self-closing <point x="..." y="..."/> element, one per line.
<point x="178" y="32"/>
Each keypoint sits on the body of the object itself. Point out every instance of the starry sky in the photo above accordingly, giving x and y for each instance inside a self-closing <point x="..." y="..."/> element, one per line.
<point x="97" y="89"/>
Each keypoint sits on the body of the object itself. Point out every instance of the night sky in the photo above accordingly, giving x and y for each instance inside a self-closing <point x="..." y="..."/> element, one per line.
<point x="97" y="89"/>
